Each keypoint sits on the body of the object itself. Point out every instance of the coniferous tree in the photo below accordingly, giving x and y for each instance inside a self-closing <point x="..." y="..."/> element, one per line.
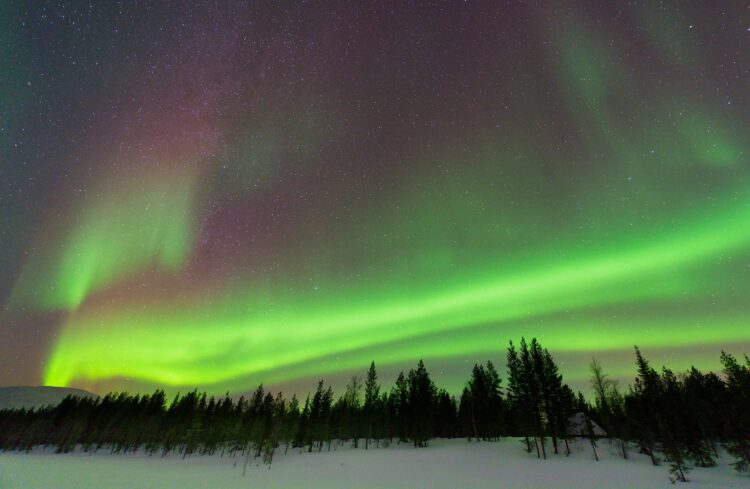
<point x="483" y="407"/>
<point x="642" y="406"/>
<point x="317" y="417"/>
<point x="401" y="405"/>
<point x="303" y="435"/>
<point x="672" y="425"/>
<point x="466" y="418"/>
<point x="497" y="414"/>
<point x="345" y="416"/>
<point x="275" y="418"/>
<point x="682" y="417"/>
<point x="421" y="396"/>
<point x="738" y="410"/>
<point x="566" y="409"/>
<point x="291" y="422"/>
<point x="700" y="395"/>
<point x="325" y="417"/>
<point x="518" y="412"/>
<point x="371" y="407"/>
<point x="530" y="381"/>
<point x="390" y="416"/>
<point x="552" y="391"/>
<point x="445" y="415"/>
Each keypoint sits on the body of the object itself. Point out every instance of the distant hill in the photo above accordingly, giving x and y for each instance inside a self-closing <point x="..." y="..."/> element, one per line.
<point x="28" y="397"/>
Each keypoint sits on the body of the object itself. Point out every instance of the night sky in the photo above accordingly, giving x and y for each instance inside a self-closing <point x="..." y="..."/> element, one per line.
<point x="215" y="194"/>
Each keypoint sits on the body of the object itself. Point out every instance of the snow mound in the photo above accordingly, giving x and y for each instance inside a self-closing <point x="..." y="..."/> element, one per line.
<point x="577" y="426"/>
<point x="36" y="397"/>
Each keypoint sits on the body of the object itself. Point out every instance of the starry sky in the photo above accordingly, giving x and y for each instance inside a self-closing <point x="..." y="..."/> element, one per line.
<point x="215" y="194"/>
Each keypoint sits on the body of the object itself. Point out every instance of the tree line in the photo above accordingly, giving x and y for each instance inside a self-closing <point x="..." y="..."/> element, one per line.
<point x="681" y="419"/>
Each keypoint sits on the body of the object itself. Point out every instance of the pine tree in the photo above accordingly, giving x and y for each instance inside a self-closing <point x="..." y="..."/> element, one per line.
<point x="325" y="418"/>
<point x="672" y="424"/>
<point x="738" y="410"/>
<point x="303" y="435"/>
<point x="518" y="400"/>
<point x="699" y="418"/>
<point x="477" y="398"/>
<point x="445" y="415"/>
<point x="531" y="366"/>
<point x="466" y="415"/>
<point x="370" y="408"/>
<point x="316" y="416"/>
<point x="421" y="397"/>
<point x="275" y="420"/>
<point x="566" y="410"/>
<point x="291" y="422"/>
<point x="400" y="402"/>
<point x="551" y="384"/>
<point x="353" y="394"/>
<point x="483" y="411"/>
<point x="642" y="406"/>
<point x="497" y="404"/>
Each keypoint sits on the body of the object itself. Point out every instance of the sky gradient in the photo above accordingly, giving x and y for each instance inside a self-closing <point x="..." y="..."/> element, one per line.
<point x="218" y="194"/>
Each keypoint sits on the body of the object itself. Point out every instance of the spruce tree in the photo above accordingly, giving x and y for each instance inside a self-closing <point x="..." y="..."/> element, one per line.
<point x="672" y="425"/>
<point x="553" y="405"/>
<point x="737" y="410"/>
<point x="531" y="367"/>
<point x="400" y="403"/>
<point x="643" y="408"/>
<point x="496" y="407"/>
<point x="317" y="413"/>
<point x="445" y="415"/>
<point x="699" y="417"/>
<point x="372" y="395"/>
<point x="421" y="397"/>
<point x="303" y="436"/>
<point x="518" y="399"/>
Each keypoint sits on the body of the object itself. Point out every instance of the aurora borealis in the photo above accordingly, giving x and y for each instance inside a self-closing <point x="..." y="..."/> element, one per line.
<point x="218" y="194"/>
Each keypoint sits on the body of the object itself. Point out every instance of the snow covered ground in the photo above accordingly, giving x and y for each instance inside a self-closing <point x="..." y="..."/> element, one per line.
<point x="444" y="464"/>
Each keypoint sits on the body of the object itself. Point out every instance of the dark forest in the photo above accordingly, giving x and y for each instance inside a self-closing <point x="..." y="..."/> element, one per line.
<point x="682" y="420"/>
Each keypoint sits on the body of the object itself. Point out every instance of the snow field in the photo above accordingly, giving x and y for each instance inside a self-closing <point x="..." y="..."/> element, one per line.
<point x="444" y="464"/>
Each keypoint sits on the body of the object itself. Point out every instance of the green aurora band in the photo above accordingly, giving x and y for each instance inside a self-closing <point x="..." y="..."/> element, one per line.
<point x="189" y="346"/>
<point x="606" y="203"/>
<point x="140" y="224"/>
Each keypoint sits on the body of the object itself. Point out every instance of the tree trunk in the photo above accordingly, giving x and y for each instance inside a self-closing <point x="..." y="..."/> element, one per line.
<point x="247" y="459"/>
<point x="474" y="424"/>
<point x="593" y="446"/>
<point x="528" y="444"/>
<point x="651" y="454"/>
